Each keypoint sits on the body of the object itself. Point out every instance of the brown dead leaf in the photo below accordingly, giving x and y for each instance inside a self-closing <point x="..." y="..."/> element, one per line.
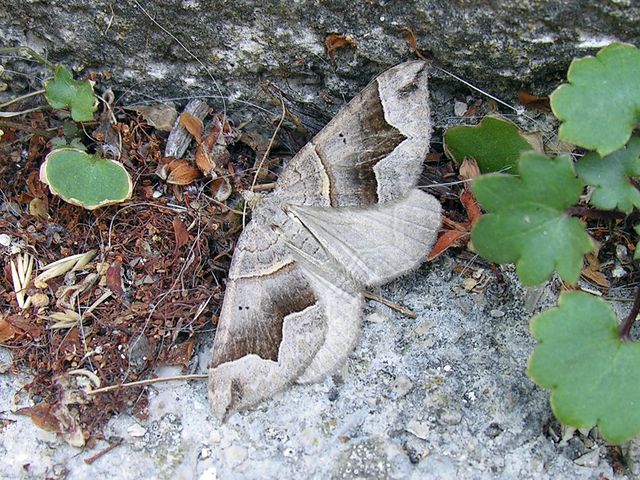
<point x="333" y="41"/>
<point x="180" y="354"/>
<point x="42" y="417"/>
<point x="7" y="332"/>
<point x="181" y="233"/>
<point x="182" y="172"/>
<point x="411" y="38"/>
<point x="471" y="206"/>
<point x="534" y="102"/>
<point x="596" y="277"/>
<point x="193" y="125"/>
<point x="38" y="208"/>
<point x="469" y="169"/>
<point x="161" y="116"/>
<point x="114" y="278"/>
<point x="448" y="239"/>
<point x="212" y="154"/>
<point x="221" y="189"/>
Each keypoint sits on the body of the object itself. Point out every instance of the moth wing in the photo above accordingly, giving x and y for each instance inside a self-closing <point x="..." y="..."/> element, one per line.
<point x="371" y="151"/>
<point x="270" y="325"/>
<point x="238" y="384"/>
<point x="379" y="243"/>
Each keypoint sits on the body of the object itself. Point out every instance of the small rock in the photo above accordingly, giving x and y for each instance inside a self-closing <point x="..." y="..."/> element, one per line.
<point x="376" y="317"/>
<point x="419" y="429"/>
<point x="590" y="459"/>
<point x="215" y="437"/>
<point x="618" y="272"/>
<point x="401" y="386"/>
<point x="136" y="430"/>
<point x="205" y="453"/>
<point x="451" y="418"/>
<point x="235" y="456"/>
<point x="496" y="313"/>
<point x="5" y="240"/>
<point x="460" y="108"/>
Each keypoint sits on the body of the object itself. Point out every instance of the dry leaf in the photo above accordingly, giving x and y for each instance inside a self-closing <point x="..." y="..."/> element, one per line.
<point x="596" y="277"/>
<point x="533" y="101"/>
<point x="182" y="172"/>
<point x="333" y="42"/>
<point x="221" y="189"/>
<point x="411" y="39"/>
<point x="38" y="208"/>
<point x="160" y="115"/>
<point x="41" y="416"/>
<point x="114" y="278"/>
<point x="193" y="125"/>
<point x="7" y="332"/>
<point x="471" y="206"/>
<point x="469" y="169"/>
<point x="181" y="233"/>
<point x="448" y="239"/>
<point x="179" y="354"/>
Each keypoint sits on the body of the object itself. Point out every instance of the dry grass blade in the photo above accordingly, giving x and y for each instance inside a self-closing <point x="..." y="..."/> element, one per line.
<point x="62" y="266"/>
<point x="21" y="271"/>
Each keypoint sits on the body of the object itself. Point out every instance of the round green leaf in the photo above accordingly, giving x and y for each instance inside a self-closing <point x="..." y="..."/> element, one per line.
<point x="610" y="177"/>
<point x="495" y="143"/>
<point x="63" y="91"/>
<point x="600" y="106"/>
<point x="85" y="180"/>
<point x="593" y="375"/>
<point x="525" y="222"/>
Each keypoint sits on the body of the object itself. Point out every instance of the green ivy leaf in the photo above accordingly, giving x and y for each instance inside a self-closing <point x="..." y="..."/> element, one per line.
<point x="63" y="91"/>
<point x="600" y="106"/>
<point x="525" y="221"/>
<point x="495" y="143"/>
<point x="610" y="177"/>
<point x="85" y="180"/>
<point x="593" y="375"/>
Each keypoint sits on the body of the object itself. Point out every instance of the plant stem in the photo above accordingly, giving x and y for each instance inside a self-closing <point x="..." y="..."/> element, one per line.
<point x="593" y="213"/>
<point x="22" y="97"/>
<point x="625" y="328"/>
<point x="27" y="128"/>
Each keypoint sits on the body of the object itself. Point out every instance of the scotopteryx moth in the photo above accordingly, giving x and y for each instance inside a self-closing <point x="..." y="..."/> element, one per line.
<point x="345" y="215"/>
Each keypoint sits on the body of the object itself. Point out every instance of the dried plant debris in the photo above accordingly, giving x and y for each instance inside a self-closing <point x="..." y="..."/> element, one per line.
<point x="104" y="297"/>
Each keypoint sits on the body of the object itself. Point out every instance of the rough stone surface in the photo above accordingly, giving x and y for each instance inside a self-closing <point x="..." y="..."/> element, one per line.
<point x="500" y="46"/>
<point x="442" y="396"/>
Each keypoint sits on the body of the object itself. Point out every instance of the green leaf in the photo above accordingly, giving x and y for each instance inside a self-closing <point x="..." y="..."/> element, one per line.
<point x="610" y="177"/>
<point x="494" y="143"/>
<point x="63" y="91"/>
<point x="593" y="375"/>
<point x="636" y="254"/>
<point x="525" y="221"/>
<point x="600" y="106"/>
<point x="85" y="180"/>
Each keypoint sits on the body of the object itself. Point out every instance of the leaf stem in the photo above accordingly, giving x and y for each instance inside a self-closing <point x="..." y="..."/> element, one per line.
<point x="578" y="211"/>
<point x="625" y="328"/>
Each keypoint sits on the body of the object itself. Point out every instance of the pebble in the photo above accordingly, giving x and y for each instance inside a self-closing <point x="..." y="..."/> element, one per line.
<point x="590" y="459"/>
<point x="460" y="108"/>
<point x="235" y="456"/>
<point x="136" y="431"/>
<point x="419" y="429"/>
<point x="496" y="313"/>
<point x="5" y="240"/>
<point x="401" y="386"/>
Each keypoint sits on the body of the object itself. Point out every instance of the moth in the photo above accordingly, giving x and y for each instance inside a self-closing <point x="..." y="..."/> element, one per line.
<point x="345" y="215"/>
